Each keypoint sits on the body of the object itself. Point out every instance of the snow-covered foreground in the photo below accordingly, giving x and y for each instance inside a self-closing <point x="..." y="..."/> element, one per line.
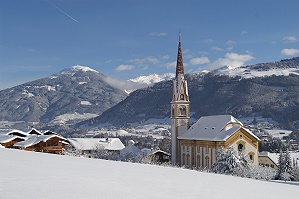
<point x="35" y="175"/>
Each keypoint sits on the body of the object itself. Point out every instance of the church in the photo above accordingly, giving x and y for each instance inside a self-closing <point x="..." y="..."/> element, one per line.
<point x="196" y="146"/>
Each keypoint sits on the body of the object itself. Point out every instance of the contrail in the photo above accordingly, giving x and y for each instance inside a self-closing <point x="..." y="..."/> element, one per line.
<point x="62" y="11"/>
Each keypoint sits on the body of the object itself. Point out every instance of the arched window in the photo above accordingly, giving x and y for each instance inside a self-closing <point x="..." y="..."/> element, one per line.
<point x="188" y="160"/>
<point x="182" y="97"/>
<point x="172" y="112"/>
<point x="251" y="156"/>
<point x="207" y="162"/>
<point x="183" y="110"/>
<point x="240" y="147"/>
<point x="198" y="161"/>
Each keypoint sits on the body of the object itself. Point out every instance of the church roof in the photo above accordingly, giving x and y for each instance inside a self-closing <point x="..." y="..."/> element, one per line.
<point x="214" y="128"/>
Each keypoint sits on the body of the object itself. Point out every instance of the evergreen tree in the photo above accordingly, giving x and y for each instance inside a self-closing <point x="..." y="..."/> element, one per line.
<point x="281" y="166"/>
<point x="288" y="165"/>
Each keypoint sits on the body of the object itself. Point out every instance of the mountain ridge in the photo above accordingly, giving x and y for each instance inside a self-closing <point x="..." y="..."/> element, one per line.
<point x="275" y="96"/>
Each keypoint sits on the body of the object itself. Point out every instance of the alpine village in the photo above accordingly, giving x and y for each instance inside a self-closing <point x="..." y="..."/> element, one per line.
<point x="168" y="124"/>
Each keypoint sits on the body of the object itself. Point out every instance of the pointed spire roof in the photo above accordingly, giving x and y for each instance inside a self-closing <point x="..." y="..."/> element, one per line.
<point x="179" y="63"/>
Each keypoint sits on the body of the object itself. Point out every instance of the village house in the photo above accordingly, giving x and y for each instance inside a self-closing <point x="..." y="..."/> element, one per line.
<point x="160" y="156"/>
<point x="196" y="146"/>
<point x="33" y="140"/>
<point x="91" y="146"/>
<point x="268" y="159"/>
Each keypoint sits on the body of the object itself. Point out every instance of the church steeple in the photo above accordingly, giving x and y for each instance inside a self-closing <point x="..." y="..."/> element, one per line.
<point x="180" y="107"/>
<point x="179" y="63"/>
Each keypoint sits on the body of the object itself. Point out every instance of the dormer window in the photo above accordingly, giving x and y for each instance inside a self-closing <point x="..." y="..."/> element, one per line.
<point x="182" y="97"/>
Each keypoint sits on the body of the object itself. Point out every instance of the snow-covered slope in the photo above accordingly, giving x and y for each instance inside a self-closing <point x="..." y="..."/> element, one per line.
<point x="247" y="72"/>
<point x="36" y="175"/>
<point x="153" y="78"/>
<point x="74" y="69"/>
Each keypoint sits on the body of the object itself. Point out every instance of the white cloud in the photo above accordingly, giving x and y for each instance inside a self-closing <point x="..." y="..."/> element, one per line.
<point x="230" y="45"/>
<point x="165" y="57"/>
<point x="199" y="60"/>
<point x="244" y="32"/>
<point x="124" y="67"/>
<point x="216" y="48"/>
<point x="231" y="59"/>
<point x="171" y="64"/>
<point x="290" y="51"/>
<point x="290" y="39"/>
<point x="159" y="34"/>
<point x="208" y="41"/>
<point x="150" y="59"/>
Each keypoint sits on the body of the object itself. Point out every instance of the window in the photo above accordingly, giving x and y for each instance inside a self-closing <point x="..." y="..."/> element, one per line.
<point x="207" y="162"/>
<point x="172" y="113"/>
<point x="240" y="147"/>
<point x="182" y="97"/>
<point x="251" y="156"/>
<point x="198" y="161"/>
<point x="183" y="110"/>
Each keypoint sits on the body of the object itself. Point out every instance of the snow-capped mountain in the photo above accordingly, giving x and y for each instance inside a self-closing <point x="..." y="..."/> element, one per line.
<point x="283" y="67"/>
<point x="153" y="78"/>
<point x="74" y="69"/>
<point x="77" y="92"/>
<point x="223" y="91"/>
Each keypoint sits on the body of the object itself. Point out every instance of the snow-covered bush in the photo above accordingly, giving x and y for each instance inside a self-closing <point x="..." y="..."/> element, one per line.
<point x="229" y="162"/>
<point x="237" y="163"/>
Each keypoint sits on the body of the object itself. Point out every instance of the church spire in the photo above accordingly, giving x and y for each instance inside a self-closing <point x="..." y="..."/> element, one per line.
<point x="179" y="63"/>
<point x="180" y="108"/>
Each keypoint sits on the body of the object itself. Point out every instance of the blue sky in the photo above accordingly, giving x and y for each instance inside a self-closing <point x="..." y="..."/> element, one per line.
<point x="128" y="38"/>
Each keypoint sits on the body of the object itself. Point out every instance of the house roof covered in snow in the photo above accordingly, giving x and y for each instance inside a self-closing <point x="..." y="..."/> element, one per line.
<point x="275" y="156"/>
<point x="214" y="128"/>
<point x="113" y="144"/>
<point x="131" y="149"/>
<point x="33" y="131"/>
<point x="35" y="139"/>
<point x="159" y="151"/>
<point x="13" y="132"/>
<point x="8" y="138"/>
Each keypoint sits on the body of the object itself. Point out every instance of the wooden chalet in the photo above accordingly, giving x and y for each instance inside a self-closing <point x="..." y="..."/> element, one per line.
<point x="33" y="140"/>
<point x="160" y="156"/>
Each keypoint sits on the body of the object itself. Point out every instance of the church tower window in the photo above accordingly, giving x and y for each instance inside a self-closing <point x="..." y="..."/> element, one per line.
<point x="183" y="110"/>
<point x="182" y="97"/>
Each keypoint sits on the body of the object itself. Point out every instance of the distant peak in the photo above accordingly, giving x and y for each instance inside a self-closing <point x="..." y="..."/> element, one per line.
<point x="153" y="78"/>
<point x="73" y="69"/>
<point x="82" y="68"/>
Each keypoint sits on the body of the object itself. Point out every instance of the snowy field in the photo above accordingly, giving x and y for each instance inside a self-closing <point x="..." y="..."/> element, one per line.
<point x="279" y="133"/>
<point x="35" y="175"/>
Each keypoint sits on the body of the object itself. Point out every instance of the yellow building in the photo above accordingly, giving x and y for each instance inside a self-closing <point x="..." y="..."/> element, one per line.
<point x="199" y="144"/>
<point x="196" y="146"/>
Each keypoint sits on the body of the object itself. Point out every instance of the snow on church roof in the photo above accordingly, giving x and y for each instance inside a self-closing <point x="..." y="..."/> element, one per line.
<point x="214" y="128"/>
<point x="113" y="144"/>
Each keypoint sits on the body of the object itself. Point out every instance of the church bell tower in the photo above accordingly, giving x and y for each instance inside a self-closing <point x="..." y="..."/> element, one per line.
<point x="180" y="107"/>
